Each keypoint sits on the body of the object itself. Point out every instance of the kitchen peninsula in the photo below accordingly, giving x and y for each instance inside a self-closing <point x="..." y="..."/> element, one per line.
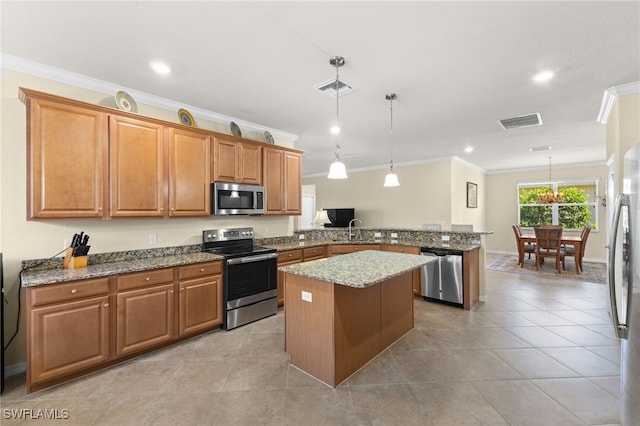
<point x="343" y="311"/>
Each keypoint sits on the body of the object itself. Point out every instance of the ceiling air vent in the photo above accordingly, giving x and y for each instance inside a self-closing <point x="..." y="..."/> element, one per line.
<point x="329" y="87"/>
<point x="522" y="121"/>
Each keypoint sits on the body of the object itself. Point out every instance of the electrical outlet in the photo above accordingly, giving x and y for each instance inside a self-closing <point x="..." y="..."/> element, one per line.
<point x="445" y="238"/>
<point x="307" y="297"/>
<point x="153" y="238"/>
<point x="301" y="237"/>
<point x="377" y="235"/>
<point x="394" y="235"/>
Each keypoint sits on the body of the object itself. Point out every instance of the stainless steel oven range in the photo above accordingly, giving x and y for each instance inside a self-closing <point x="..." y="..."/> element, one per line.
<point x="249" y="275"/>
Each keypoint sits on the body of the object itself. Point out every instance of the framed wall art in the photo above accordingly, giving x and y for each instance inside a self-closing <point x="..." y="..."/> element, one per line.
<point x="472" y="195"/>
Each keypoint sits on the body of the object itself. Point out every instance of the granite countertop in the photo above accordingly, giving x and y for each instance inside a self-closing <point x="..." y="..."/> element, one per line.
<point x="296" y="244"/>
<point x="360" y="269"/>
<point x="59" y="275"/>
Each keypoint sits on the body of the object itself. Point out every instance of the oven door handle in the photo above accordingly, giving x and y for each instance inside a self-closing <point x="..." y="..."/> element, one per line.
<point x="250" y="259"/>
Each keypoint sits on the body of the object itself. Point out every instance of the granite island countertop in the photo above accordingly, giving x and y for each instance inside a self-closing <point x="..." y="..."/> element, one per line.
<point x="296" y="244"/>
<point x="360" y="269"/>
<point x="31" y="278"/>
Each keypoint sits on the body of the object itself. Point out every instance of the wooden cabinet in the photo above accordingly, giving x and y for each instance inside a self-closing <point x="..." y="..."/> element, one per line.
<point x="286" y="258"/>
<point x="312" y="253"/>
<point x="68" y="329"/>
<point x="351" y="248"/>
<point x="189" y="173"/>
<point x="283" y="181"/>
<point x="66" y="166"/>
<point x="416" y="272"/>
<point x="136" y="150"/>
<point x="200" y="297"/>
<point x="237" y="161"/>
<point x="144" y="310"/>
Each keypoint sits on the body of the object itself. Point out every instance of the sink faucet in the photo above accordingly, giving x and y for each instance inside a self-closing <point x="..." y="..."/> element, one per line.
<point x="350" y="222"/>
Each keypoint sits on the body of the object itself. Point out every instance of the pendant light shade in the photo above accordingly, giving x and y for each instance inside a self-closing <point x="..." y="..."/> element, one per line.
<point x="337" y="169"/>
<point x="391" y="179"/>
<point x="548" y="196"/>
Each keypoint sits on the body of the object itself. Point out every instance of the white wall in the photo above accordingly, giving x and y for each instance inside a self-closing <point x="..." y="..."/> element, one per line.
<point x="21" y="239"/>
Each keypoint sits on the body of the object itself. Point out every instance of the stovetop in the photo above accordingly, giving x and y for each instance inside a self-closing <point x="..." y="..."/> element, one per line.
<point x="232" y="243"/>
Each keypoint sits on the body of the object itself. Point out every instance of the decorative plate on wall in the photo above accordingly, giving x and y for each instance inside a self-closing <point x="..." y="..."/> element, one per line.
<point x="125" y="102"/>
<point x="186" y="118"/>
<point x="235" y="129"/>
<point x="267" y="137"/>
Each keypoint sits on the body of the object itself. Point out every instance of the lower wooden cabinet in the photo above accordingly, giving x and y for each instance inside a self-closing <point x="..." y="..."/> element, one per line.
<point x="145" y="318"/>
<point x="67" y="337"/>
<point x="77" y="327"/>
<point x="352" y="248"/>
<point x="286" y="258"/>
<point x="416" y="272"/>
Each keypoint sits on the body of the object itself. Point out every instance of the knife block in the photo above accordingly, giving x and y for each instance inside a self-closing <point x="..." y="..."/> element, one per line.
<point x="72" y="262"/>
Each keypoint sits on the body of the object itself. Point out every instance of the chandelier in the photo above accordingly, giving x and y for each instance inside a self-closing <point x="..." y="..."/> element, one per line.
<point x="337" y="170"/>
<point x="391" y="179"/>
<point x="549" y="197"/>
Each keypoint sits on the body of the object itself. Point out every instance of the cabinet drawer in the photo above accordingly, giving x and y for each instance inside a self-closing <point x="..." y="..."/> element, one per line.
<point x="141" y="279"/>
<point x="314" y="252"/>
<point x="200" y="270"/>
<point x="289" y="255"/>
<point x="402" y="249"/>
<point x="67" y="292"/>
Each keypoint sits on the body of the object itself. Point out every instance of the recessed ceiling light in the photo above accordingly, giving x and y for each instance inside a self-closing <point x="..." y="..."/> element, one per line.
<point x="468" y="149"/>
<point x="160" y="67"/>
<point x="543" y="76"/>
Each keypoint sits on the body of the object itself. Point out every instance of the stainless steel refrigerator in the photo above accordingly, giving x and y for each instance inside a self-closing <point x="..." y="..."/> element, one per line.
<point x="623" y="269"/>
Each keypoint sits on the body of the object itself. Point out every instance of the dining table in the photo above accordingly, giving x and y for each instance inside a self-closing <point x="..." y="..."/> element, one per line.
<point x="575" y="240"/>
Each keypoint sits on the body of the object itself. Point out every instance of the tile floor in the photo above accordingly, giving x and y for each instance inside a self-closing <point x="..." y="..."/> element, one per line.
<point x="538" y="352"/>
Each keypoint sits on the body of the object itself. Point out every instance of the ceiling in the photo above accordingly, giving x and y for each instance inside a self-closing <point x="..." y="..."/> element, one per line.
<point x="456" y="68"/>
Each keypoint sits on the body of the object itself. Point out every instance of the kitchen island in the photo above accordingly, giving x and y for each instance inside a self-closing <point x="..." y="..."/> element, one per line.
<point x="343" y="311"/>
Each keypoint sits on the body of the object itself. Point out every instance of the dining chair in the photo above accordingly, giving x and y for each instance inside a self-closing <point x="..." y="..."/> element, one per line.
<point x="549" y="244"/>
<point x="570" y="250"/>
<point x="522" y="248"/>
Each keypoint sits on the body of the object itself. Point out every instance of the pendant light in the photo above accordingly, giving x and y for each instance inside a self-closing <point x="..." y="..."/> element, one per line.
<point x="337" y="169"/>
<point x="391" y="179"/>
<point x="549" y="196"/>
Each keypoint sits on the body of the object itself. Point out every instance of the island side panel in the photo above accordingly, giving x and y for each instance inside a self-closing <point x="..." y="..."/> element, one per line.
<point x="357" y="328"/>
<point x="397" y="308"/>
<point x="471" y="278"/>
<point x="309" y="331"/>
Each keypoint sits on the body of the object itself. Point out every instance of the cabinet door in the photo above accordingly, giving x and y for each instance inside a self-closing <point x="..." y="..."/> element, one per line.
<point x="250" y="164"/>
<point x="137" y="168"/>
<point x="66" y="161"/>
<point x="189" y="173"/>
<point x="285" y="258"/>
<point x="274" y="180"/>
<point x="67" y="337"/>
<point x="144" y="319"/>
<point x="200" y="304"/>
<point x="225" y="161"/>
<point x="293" y="183"/>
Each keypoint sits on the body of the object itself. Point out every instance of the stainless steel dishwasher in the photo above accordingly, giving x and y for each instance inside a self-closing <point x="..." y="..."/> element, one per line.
<point x="442" y="279"/>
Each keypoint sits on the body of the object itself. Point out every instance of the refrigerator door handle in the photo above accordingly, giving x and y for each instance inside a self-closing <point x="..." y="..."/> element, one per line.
<point x="622" y="330"/>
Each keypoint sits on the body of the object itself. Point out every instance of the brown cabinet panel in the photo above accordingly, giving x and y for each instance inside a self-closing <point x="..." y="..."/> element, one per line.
<point x="68" y="292"/>
<point x="137" y="167"/>
<point x="236" y="161"/>
<point x="200" y="304"/>
<point x="189" y="173"/>
<point x="352" y="248"/>
<point x="283" y="181"/>
<point x="66" y="164"/>
<point x="311" y="253"/>
<point x="200" y="270"/>
<point x="145" y="278"/>
<point x="401" y="249"/>
<point x="285" y="258"/>
<point x="67" y="337"/>
<point x="144" y="318"/>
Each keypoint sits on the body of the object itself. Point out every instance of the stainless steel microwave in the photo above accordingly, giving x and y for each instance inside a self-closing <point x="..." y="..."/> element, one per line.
<point x="236" y="199"/>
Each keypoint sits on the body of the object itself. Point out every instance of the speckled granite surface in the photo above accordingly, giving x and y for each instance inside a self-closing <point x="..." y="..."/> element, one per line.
<point x="291" y="243"/>
<point x="32" y="278"/>
<point x="360" y="269"/>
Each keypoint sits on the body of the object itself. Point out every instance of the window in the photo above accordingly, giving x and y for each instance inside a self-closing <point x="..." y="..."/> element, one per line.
<point x="579" y="206"/>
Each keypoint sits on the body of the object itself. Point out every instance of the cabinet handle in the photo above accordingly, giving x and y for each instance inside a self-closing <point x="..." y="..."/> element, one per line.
<point x="99" y="209"/>
<point x="74" y="291"/>
<point x="161" y="209"/>
<point x="201" y="269"/>
<point x="173" y="210"/>
<point x="170" y="291"/>
<point x="106" y="305"/>
<point x="182" y="289"/>
<point x="148" y="279"/>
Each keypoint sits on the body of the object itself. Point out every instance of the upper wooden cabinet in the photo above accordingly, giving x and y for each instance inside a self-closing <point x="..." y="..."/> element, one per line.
<point x="237" y="161"/>
<point x="283" y="181"/>
<point x="66" y="165"/>
<point x="189" y="173"/>
<point x="136" y="151"/>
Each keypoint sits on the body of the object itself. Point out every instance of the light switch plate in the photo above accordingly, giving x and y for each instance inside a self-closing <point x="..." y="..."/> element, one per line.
<point x="307" y="297"/>
<point x="445" y="238"/>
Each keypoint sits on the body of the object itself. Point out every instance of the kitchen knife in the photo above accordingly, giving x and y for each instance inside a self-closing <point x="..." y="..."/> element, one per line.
<point x="80" y="238"/>
<point x="74" y="241"/>
<point x="85" y="240"/>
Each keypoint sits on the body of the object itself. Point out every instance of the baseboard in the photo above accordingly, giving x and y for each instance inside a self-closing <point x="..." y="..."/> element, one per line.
<point x="15" y="369"/>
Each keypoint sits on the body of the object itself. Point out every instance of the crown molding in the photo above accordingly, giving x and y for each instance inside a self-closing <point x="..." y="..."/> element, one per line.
<point x="48" y="72"/>
<point x="610" y="96"/>
<point x="555" y="167"/>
